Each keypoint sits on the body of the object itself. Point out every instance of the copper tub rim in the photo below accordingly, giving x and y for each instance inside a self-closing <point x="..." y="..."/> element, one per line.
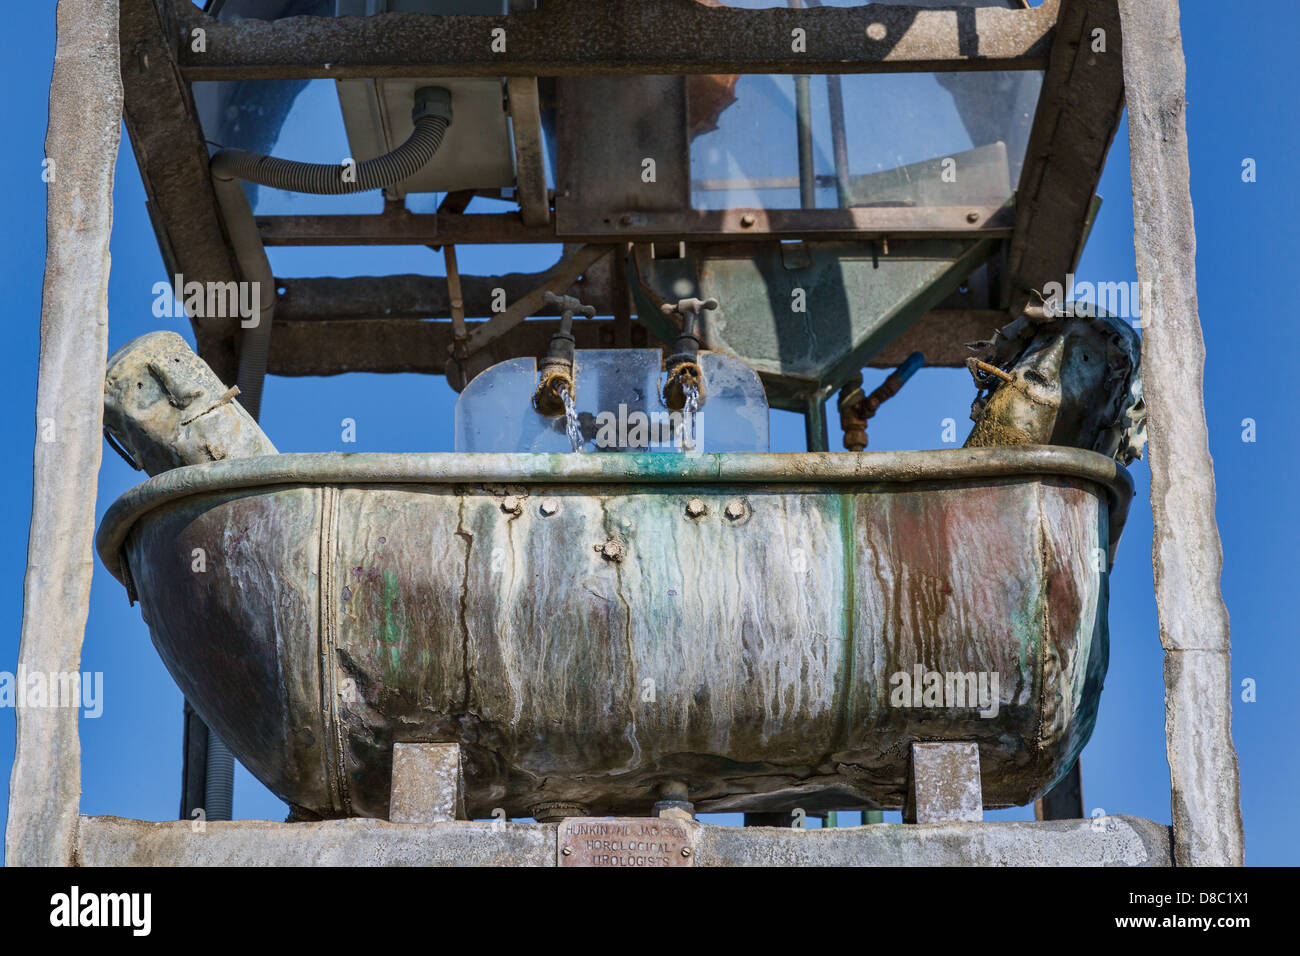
<point x="787" y="469"/>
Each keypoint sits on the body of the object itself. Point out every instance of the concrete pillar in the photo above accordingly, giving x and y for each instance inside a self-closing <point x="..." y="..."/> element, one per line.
<point x="1186" y="552"/>
<point x="81" y="148"/>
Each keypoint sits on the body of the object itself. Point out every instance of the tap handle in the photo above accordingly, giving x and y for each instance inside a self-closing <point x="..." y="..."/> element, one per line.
<point x="568" y="304"/>
<point x="689" y="310"/>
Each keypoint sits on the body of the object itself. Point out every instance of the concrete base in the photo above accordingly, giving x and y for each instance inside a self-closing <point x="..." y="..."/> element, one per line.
<point x="1121" y="841"/>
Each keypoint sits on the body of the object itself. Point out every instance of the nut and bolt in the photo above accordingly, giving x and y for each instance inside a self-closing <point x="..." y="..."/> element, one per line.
<point x="511" y="505"/>
<point x="696" y="508"/>
<point x="735" y="510"/>
<point x="550" y="506"/>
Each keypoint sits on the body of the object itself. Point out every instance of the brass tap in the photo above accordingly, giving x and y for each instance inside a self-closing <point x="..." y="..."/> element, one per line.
<point x="555" y="376"/>
<point x="684" y="371"/>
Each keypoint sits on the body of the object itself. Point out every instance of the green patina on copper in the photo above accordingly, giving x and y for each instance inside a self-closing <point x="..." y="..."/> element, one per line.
<point x="848" y="551"/>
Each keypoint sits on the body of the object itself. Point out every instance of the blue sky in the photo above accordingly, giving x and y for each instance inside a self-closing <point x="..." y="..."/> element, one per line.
<point x="1241" y="96"/>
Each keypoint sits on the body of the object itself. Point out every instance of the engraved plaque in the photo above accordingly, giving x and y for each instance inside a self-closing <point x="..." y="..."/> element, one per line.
<point x="625" y="841"/>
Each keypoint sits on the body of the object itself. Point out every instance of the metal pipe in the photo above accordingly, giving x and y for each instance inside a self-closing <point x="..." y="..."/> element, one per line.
<point x="230" y="168"/>
<point x="431" y="117"/>
<point x="839" y="136"/>
<point x="803" y="125"/>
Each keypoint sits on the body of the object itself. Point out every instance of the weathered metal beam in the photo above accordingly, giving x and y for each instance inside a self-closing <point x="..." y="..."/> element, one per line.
<point x="573" y="37"/>
<point x="329" y="299"/>
<point x="401" y="345"/>
<point x="302" y="346"/>
<point x="562" y="275"/>
<point x="82" y="143"/>
<point x="530" y="161"/>
<point x="113" y="841"/>
<point x="1078" y="114"/>
<point x="164" y="131"/>
<point x="1187" y="554"/>
<point x="400" y="228"/>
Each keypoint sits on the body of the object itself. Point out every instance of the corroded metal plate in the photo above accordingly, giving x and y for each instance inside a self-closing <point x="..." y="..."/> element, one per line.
<point x="625" y="842"/>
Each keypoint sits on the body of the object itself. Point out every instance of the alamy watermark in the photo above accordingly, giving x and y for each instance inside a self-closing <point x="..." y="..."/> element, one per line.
<point x="38" y="689"/>
<point x="208" y="300"/>
<point x="1122" y="300"/>
<point x="639" y="429"/>
<point x="977" y="690"/>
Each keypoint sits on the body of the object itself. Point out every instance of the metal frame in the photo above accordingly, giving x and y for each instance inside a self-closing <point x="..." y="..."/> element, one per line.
<point x="1065" y="160"/>
<point x="597" y="37"/>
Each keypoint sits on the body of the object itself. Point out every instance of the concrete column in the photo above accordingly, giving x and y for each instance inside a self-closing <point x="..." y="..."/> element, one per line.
<point x="81" y="148"/>
<point x="1186" y="552"/>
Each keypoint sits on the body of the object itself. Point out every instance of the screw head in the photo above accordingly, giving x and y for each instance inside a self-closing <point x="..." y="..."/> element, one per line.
<point x="735" y="509"/>
<point x="696" y="508"/>
<point x="567" y="851"/>
<point x="686" y="851"/>
<point x="550" y="506"/>
<point x="747" y="220"/>
<point x="511" y="505"/>
<point x="972" y="216"/>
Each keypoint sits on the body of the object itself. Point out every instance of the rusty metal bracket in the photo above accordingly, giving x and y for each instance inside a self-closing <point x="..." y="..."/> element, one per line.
<point x="558" y="279"/>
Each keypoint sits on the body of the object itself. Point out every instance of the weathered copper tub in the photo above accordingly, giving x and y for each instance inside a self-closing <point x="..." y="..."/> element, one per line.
<point x="585" y="638"/>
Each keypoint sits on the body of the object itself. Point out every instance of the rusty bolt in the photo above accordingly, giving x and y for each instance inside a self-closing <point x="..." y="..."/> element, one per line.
<point x="612" y="550"/>
<point x="696" y="508"/>
<point x="567" y="851"/>
<point x="686" y="851"/>
<point x="972" y="216"/>
<point x="748" y="220"/>
<point x="510" y="505"/>
<point x="735" y="509"/>
<point x="550" y="506"/>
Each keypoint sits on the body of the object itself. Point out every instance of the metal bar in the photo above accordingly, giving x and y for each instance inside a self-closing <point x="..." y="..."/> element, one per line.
<point x="815" y="429"/>
<point x="169" y="148"/>
<point x="530" y="161"/>
<point x="326" y="299"/>
<point x="1065" y="800"/>
<point x="563" y="275"/>
<point x="335" y="343"/>
<point x="456" y="301"/>
<point x="394" y="346"/>
<point x="894" y="222"/>
<point x="82" y="138"/>
<point x="1078" y="114"/>
<point x="590" y="37"/>
<point x="1187" y="554"/>
<point x="803" y="130"/>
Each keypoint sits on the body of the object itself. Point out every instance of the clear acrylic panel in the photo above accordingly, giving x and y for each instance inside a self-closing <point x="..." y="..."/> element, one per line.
<point x="619" y="408"/>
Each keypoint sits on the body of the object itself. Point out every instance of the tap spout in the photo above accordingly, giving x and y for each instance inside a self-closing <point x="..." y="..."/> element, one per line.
<point x="555" y="378"/>
<point x="684" y="373"/>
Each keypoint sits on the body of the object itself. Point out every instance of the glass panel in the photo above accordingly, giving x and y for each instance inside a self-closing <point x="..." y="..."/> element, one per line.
<point x="907" y="139"/>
